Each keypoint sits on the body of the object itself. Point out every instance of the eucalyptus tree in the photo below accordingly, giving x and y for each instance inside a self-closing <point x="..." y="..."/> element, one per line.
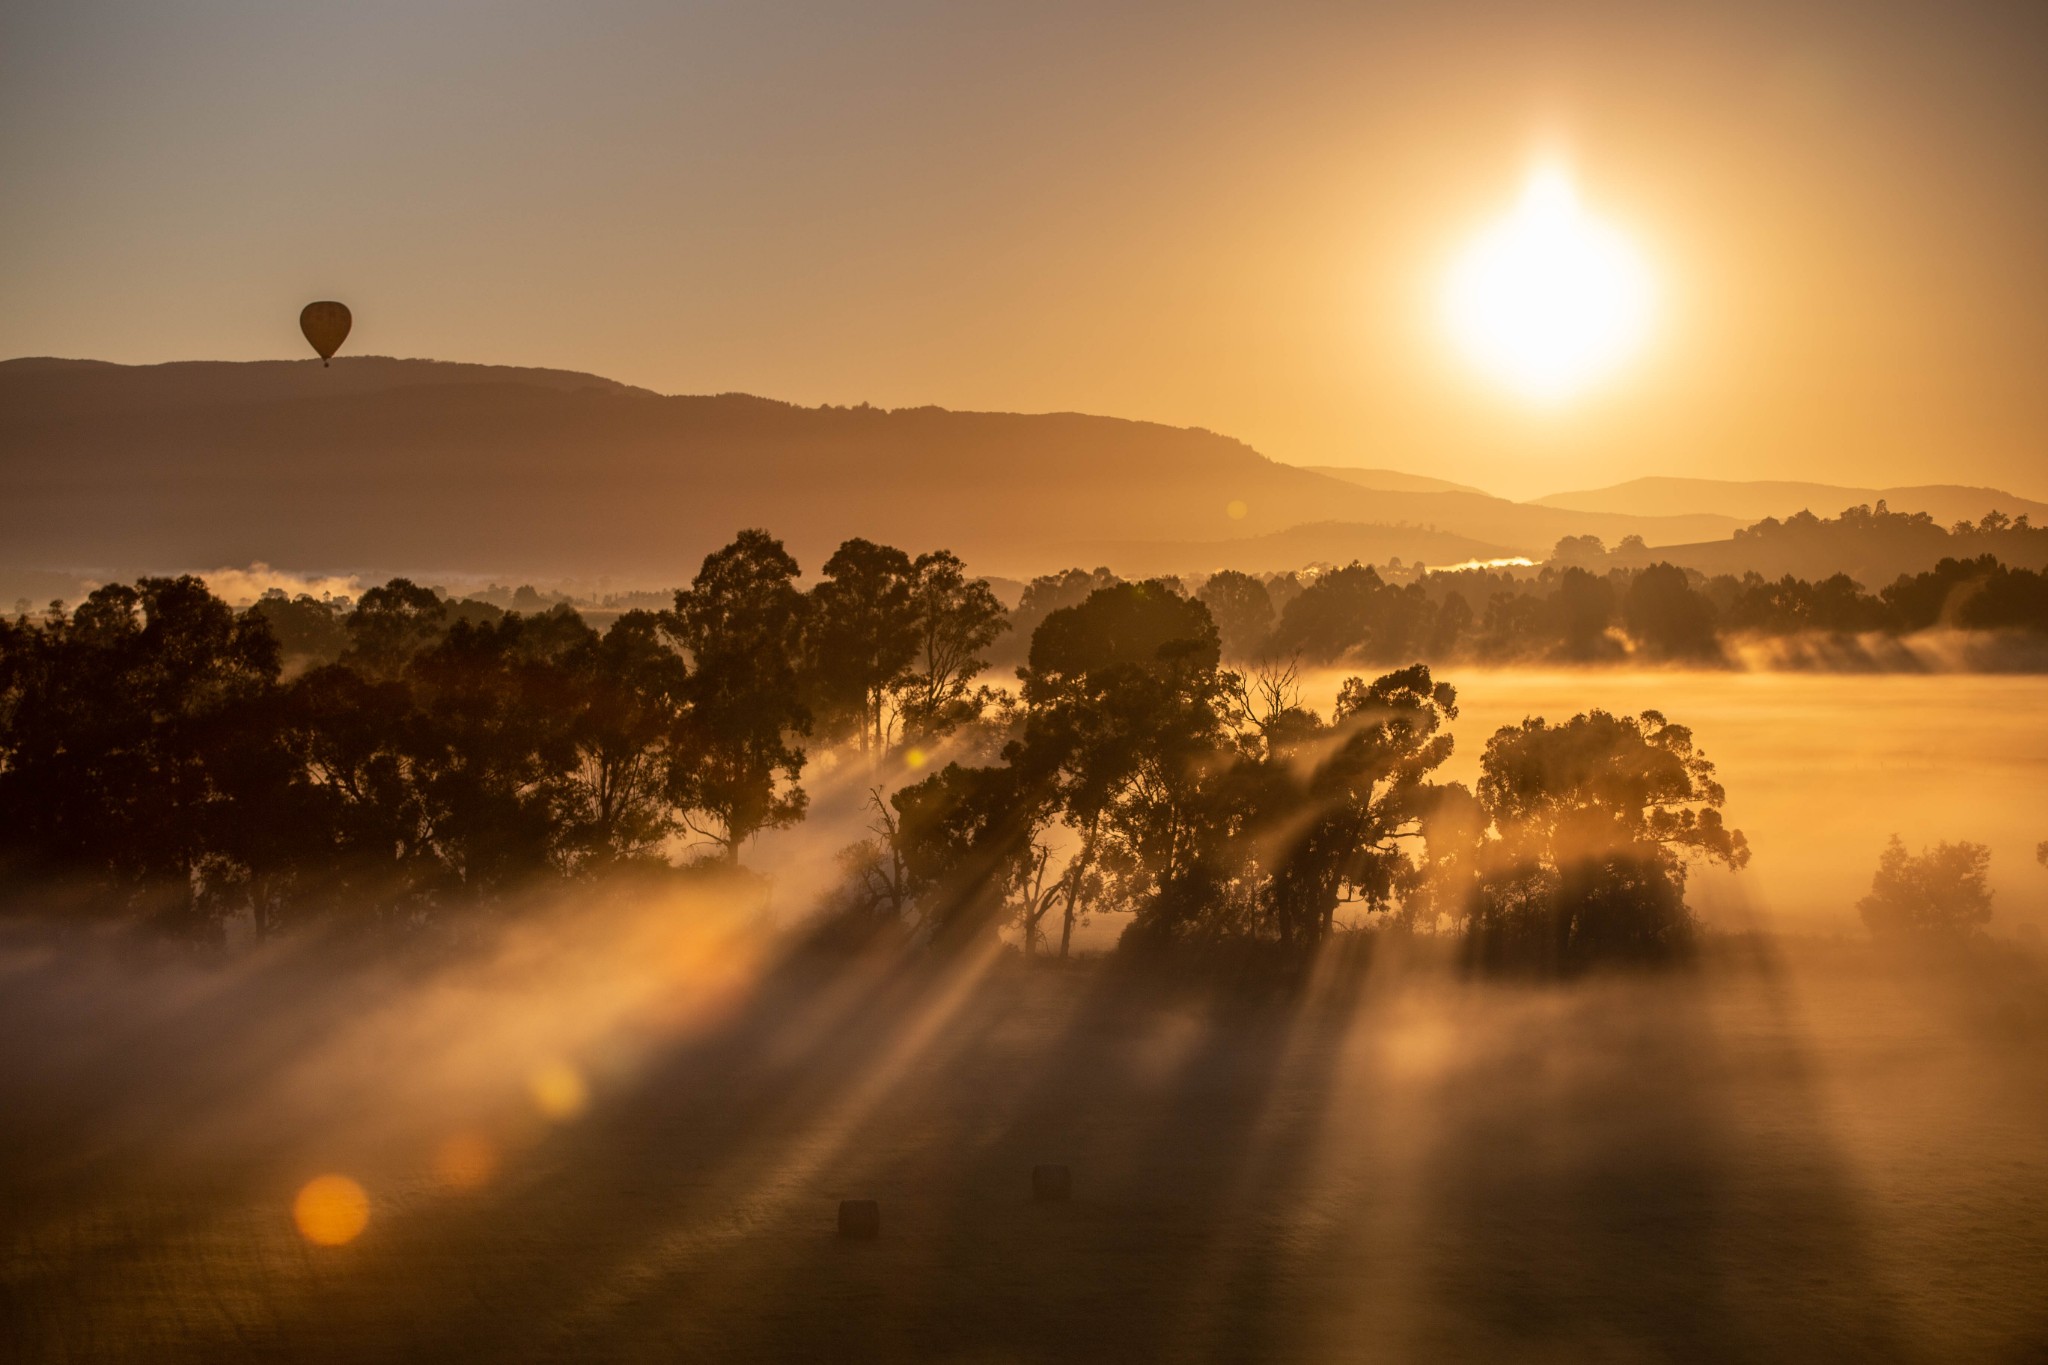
<point x="735" y="760"/>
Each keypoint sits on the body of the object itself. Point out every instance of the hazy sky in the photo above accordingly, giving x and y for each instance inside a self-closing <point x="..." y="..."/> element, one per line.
<point x="1232" y="216"/>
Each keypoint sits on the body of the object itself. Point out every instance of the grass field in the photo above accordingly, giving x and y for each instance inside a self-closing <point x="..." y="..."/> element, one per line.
<point x="1794" y="1153"/>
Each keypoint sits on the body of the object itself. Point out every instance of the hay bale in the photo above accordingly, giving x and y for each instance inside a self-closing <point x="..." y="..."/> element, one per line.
<point x="860" y="1219"/>
<point x="1050" y="1183"/>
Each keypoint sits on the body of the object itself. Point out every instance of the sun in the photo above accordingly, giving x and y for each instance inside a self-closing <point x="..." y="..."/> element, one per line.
<point x="1549" y="301"/>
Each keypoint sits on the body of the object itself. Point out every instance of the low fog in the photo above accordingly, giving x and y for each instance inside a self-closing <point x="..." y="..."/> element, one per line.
<point x="618" y="1122"/>
<point x="623" y="1127"/>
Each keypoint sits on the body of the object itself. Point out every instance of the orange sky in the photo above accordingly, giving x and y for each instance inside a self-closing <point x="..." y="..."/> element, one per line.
<point x="1195" y="213"/>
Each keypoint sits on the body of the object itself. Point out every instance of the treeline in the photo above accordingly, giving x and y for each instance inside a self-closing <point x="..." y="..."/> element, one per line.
<point x="156" y="757"/>
<point x="1566" y="613"/>
<point x="1215" y="807"/>
<point x="1881" y="520"/>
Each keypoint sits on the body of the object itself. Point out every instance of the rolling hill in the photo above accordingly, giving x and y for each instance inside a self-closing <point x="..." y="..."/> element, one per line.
<point x="1392" y="480"/>
<point x="378" y="466"/>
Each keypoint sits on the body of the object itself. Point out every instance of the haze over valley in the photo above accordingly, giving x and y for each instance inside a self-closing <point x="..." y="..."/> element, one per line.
<point x="1040" y="683"/>
<point x="375" y="468"/>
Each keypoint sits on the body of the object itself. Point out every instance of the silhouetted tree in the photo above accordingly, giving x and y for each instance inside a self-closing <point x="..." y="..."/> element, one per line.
<point x="1668" y="618"/>
<point x="862" y="637"/>
<point x="966" y="838"/>
<point x="492" y="749"/>
<point x="1324" y="813"/>
<point x="354" y="739"/>
<point x="628" y="691"/>
<point x="1580" y="550"/>
<point x="954" y="620"/>
<point x="877" y="881"/>
<point x="309" y="631"/>
<point x="1581" y="608"/>
<point x="1944" y="891"/>
<point x="1447" y="636"/>
<point x="736" y="765"/>
<point x="1334" y="616"/>
<point x="1047" y="594"/>
<point x="1242" y="609"/>
<point x="1121" y="702"/>
<point x="391" y="624"/>
<point x="119" y="717"/>
<point x="1594" y="822"/>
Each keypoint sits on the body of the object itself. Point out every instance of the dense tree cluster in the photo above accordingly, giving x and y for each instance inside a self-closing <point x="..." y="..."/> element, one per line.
<point x="155" y="756"/>
<point x="1570" y="613"/>
<point x="1145" y="778"/>
<point x="1881" y="520"/>
<point x="419" y="756"/>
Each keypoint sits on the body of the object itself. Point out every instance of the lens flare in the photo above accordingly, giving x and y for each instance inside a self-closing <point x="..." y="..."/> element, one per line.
<point x="558" y="1091"/>
<point x="331" y="1210"/>
<point x="1550" y="300"/>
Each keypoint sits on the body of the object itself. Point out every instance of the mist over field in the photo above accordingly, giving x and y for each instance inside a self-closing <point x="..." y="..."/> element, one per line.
<point x="619" y="1130"/>
<point x="1821" y="770"/>
<point x="1000" y="683"/>
<point x="618" y="1122"/>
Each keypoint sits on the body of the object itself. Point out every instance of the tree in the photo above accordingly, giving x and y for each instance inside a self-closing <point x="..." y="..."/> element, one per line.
<point x="1122" y="708"/>
<point x="391" y="624"/>
<point x="1325" y="812"/>
<point x="120" y="718"/>
<point x="627" y="696"/>
<point x="1336" y="615"/>
<point x="954" y="621"/>
<point x="492" y="752"/>
<point x="1594" y="823"/>
<point x="1047" y="594"/>
<point x="965" y="840"/>
<point x="735" y="766"/>
<point x="354" y="739"/>
<point x="1579" y="550"/>
<point x="861" y="636"/>
<point x="1667" y="618"/>
<point x="1944" y="891"/>
<point x="309" y="631"/>
<point x="1581" y="607"/>
<point x="1242" y="609"/>
<point x="1447" y="634"/>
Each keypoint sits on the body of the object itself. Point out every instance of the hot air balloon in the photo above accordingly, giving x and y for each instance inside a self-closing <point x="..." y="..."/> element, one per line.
<point x="326" y="325"/>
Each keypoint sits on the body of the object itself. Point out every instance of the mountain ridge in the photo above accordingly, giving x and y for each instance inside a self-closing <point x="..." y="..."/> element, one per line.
<point x="380" y="465"/>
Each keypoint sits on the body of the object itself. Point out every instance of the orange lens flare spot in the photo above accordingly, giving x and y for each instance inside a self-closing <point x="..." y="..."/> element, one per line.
<point x="331" y="1210"/>
<point x="1237" y="509"/>
<point x="464" y="1161"/>
<point x="558" y="1091"/>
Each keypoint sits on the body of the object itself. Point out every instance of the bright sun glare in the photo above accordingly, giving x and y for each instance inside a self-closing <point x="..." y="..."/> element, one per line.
<point x="1549" y="300"/>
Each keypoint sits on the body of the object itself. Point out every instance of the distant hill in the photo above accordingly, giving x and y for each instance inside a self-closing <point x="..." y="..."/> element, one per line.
<point x="1755" y="500"/>
<point x="1874" y="550"/>
<point x="376" y="466"/>
<point x="61" y="386"/>
<point x="1392" y="480"/>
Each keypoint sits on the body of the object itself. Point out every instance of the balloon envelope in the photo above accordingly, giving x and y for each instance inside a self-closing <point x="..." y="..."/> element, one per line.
<point x="326" y="325"/>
